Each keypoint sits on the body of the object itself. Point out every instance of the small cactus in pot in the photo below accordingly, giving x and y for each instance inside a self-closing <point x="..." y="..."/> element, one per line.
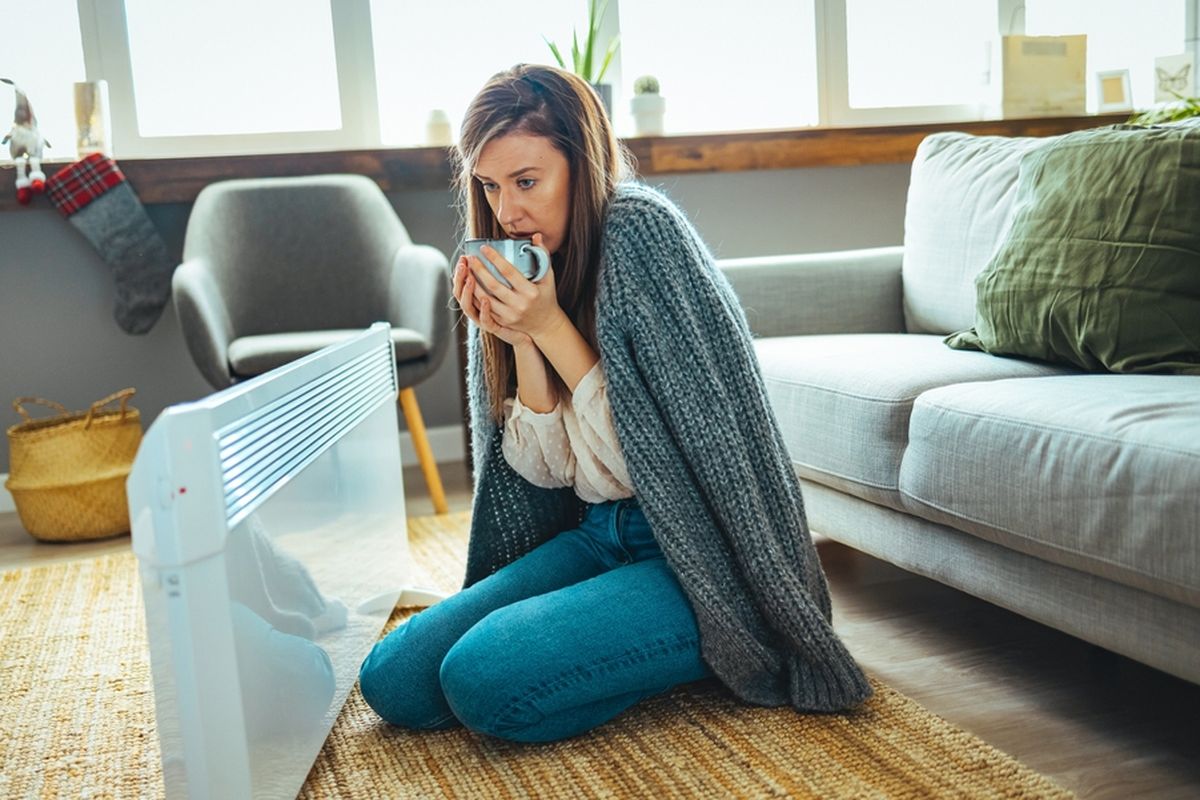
<point x="647" y="106"/>
<point x="647" y="84"/>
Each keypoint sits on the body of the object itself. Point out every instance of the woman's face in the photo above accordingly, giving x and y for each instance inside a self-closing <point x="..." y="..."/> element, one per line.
<point x="527" y="184"/>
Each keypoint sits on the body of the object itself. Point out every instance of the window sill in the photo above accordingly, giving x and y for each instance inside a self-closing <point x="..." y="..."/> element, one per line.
<point x="179" y="180"/>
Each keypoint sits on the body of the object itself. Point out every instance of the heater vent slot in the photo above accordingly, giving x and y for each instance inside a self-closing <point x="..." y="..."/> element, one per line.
<point x="261" y="452"/>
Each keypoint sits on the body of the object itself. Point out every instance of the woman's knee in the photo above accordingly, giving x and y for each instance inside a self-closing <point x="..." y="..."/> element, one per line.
<point x="482" y="683"/>
<point x="494" y="691"/>
<point x="374" y="680"/>
<point x="392" y="684"/>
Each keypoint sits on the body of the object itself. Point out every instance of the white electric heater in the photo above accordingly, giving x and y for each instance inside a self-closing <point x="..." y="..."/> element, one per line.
<point x="268" y="521"/>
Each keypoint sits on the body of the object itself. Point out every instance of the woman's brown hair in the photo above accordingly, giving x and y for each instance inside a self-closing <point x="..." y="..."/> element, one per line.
<point x="544" y="101"/>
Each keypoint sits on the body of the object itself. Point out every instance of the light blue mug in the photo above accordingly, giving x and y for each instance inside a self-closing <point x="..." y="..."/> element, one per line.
<point x="530" y="260"/>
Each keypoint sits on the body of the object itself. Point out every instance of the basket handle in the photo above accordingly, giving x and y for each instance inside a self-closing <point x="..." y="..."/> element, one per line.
<point x="20" y="409"/>
<point x="122" y="395"/>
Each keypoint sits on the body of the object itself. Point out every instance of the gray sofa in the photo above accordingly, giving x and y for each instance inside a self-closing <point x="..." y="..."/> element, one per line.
<point x="1072" y="498"/>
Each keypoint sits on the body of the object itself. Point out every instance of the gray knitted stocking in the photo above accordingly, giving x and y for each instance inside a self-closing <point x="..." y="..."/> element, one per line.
<point x="95" y="197"/>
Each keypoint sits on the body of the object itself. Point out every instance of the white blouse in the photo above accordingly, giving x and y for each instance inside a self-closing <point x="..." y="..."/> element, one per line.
<point x="572" y="445"/>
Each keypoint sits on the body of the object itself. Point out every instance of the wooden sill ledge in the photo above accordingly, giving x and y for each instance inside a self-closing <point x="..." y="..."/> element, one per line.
<point x="179" y="180"/>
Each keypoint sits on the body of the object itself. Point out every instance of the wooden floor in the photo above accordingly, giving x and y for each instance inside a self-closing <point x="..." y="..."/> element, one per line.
<point x="1098" y="724"/>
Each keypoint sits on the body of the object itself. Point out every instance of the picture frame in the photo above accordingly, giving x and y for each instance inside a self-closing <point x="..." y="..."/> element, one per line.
<point x="1044" y="76"/>
<point x="1112" y="91"/>
<point x="1174" y="76"/>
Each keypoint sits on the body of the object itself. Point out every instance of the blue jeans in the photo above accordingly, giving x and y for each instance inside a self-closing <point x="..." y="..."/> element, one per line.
<point x="552" y="645"/>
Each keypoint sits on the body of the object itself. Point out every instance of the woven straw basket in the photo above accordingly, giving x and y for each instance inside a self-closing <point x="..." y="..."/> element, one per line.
<point x="67" y="475"/>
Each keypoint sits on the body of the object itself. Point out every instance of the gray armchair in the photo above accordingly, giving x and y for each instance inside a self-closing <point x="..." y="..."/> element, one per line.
<point x="277" y="268"/>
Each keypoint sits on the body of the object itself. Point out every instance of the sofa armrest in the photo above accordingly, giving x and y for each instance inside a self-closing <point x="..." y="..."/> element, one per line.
<point x="854" y="291"/>
<point x="204" y="319"/>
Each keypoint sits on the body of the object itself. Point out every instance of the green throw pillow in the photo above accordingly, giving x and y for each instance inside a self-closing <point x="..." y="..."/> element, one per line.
<point x="1101" y="267"/>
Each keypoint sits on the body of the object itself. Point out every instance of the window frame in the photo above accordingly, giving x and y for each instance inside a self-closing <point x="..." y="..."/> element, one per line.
<point x="106" y="55"/>
<point x="833" y="78"/>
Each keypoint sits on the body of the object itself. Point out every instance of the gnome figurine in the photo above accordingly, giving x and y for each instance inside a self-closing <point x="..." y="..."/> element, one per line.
<point x="25" y="144"/>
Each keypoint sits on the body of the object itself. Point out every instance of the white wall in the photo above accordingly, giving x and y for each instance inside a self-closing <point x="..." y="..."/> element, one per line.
<point x="58" y="338"/>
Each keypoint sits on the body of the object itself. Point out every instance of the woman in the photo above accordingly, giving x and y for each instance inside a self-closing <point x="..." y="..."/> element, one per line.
<point x="636" y="522"/>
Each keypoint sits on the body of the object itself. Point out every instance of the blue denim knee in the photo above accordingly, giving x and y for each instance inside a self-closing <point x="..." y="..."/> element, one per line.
<point x="503" y="679"/>
<point x="388" y="678"/>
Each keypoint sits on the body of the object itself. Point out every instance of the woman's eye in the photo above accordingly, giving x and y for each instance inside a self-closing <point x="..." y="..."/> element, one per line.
<point x="488" y="187"/>
<point x="525" y="183"/>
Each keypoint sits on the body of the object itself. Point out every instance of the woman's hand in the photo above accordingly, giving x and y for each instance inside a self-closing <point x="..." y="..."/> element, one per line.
<point x="530" y="309"/>
<point x="467" y="293"/>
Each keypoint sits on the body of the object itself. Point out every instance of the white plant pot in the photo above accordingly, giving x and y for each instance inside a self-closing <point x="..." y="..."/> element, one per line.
<point x="647" y="112"/>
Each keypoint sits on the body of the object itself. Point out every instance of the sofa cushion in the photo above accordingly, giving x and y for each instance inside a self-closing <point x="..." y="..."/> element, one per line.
<point x="843" y="400"/>
<point x="1096" y="472"/>
<point x="1101" y="267"/>
<point x="960" y="200"/>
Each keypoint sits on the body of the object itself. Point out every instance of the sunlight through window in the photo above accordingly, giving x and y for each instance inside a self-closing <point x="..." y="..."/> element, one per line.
<point x="231" y="67"/>
<point x="438" y="55"/>
<point x="918" y="54"/>
<point x="46" y="74"/>
<point x="722" y="66"/>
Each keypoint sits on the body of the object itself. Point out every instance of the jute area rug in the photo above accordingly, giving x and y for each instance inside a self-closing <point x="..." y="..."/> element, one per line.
<point x="77" y="720"/>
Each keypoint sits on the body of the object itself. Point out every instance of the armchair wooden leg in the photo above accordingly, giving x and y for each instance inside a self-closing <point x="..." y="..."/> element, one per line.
<point x="416" y="427"/>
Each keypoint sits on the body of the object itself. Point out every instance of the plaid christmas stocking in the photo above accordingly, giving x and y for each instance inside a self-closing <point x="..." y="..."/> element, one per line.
<point x="93" y="194"/>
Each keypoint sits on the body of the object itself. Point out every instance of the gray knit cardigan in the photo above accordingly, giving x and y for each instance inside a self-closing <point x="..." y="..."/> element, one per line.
<point x="707" y="461"/>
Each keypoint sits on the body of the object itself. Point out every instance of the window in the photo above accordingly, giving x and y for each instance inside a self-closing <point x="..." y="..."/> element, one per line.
<point x="219" y="76"/>
<point x="888" y="62"/>
<point x="905" y="54"/>
<point x="45" y="73"/>
<point x="419" y="73"/>
<point x="203" y="69"/>
<point x="760" y="76"/>
<point x="191" y="77"/>
<point x="720" y="67"/>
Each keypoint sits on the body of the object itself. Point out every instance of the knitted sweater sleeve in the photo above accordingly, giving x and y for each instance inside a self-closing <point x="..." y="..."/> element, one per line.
<point x="705" y="451"/>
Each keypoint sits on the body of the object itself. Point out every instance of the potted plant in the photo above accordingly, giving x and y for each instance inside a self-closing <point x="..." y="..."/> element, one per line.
<point x="583" y="58"/>
<point x="647" y="106"/>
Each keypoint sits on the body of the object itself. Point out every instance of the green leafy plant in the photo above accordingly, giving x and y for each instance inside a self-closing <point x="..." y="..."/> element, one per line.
<point x="582" y="58"/>
<point x="647" y="84"/>
<point x="1171" y="111"/>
